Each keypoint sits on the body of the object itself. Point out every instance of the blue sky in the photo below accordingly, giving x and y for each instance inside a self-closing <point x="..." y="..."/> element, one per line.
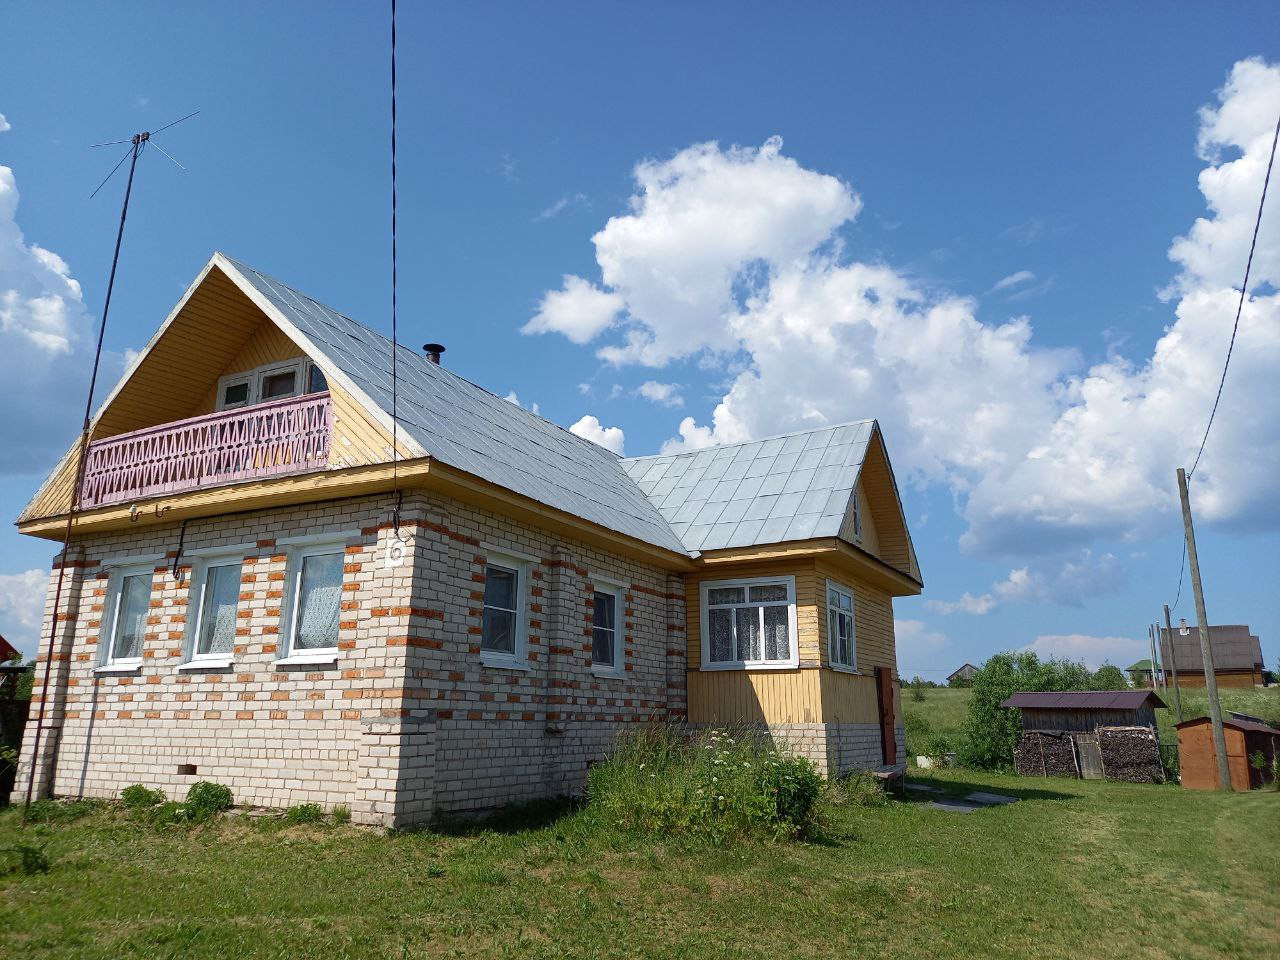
<point x="965" y="230"/>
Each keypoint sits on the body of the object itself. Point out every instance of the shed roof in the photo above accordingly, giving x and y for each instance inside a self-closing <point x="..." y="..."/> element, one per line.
<point x="1234" y="648"/>
<point x="1084" y="700"/>
<point x="466" y="426"/>
<point x="1250" y="726"/>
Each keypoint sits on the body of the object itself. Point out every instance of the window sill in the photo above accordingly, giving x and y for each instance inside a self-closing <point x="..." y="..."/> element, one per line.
<point x="110" y="668"/>
<point x="499" y="662"/>
<point x="608" y="673"/>
<point x="210" y="663"/>
<point x="778" y="665"/>
<point x="841" y="668"/>
<point x="327" y="658"/>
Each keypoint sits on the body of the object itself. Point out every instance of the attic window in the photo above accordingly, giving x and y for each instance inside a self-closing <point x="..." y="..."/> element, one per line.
<point x="274" y="381"/>
<point x="277" y="385"/>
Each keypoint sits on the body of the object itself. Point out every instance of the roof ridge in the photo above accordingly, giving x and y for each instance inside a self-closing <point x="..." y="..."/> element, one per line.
<point x="441" y="368"/>
<point x="743" y="443"/>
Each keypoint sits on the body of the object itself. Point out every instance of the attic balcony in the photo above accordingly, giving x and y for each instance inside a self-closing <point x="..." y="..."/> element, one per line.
<point x="273" y="439"/>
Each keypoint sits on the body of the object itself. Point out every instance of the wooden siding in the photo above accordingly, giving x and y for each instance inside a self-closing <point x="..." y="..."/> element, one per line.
<point x="756" y="696"/>
<point x="1225" y="678"/>
<point x="872" y="621"/>
<point x="893" y="542"/>
<point x="1198" y="765"/>
<point x="268" y="344"/>
<point x="1086" y="721"/>
<point x="870" y="539"/>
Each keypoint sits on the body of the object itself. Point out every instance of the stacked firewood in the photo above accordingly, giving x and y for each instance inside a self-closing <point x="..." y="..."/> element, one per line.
<point x="1044" y="754"/>
<point x="1131" y="754"/>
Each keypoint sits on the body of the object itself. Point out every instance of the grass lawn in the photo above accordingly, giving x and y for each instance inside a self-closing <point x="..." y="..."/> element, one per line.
<point x="1076" y="869"/>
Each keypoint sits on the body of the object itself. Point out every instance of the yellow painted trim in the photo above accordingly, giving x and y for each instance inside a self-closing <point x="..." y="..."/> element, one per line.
<point x="856" y="560"/>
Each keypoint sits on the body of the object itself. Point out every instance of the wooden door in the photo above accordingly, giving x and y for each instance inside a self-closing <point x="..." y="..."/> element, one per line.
<point x="888" y="723"/>
<point x="1089" y="756"/>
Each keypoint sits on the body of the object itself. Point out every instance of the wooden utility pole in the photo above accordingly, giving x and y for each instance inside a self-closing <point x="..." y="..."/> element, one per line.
<point x="1155" y="674"/>
<point x="1177" y="691"/>
<point x="1206" y="652"/>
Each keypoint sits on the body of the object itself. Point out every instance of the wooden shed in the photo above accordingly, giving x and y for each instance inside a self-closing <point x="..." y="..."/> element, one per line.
<point x="1244" y="737"/>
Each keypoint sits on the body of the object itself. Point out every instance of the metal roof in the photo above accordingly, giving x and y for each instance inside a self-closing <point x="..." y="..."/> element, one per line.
<point x="1083" y="700"/>
<point x="465" y="426"/>
<point x="1234" y="648"/>
<point x="1252" y="726"/>
<point x="792" y="487"/>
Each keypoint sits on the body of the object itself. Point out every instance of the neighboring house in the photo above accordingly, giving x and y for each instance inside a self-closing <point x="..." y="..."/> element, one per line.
<point x="1140" y="673"/>
<point x="1089" y="734"/>
<point x="962" y="676"/>
<point x="1237" y="656"/>
<point x="1245" y="737"/>
<point x="240" y="606"/>
<point x="8" y="651"/>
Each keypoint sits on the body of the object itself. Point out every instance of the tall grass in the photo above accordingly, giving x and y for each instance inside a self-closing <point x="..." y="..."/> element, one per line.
<point x="715" y="784"/>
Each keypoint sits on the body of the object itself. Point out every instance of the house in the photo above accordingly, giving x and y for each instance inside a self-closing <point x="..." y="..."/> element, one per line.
<point x="1245" y="737"/>
<point x="962" y="677"/>
<point x="8" y="651"/>
<point x="242" y="605"/>
<point x="1140" y="673"/>
<point x="1237" y="656"/>
<point x="1090" y="734"/>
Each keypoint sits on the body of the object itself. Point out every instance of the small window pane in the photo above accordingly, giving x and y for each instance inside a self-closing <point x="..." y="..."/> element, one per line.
<point x="721" y="629"/>
<point x="319" y="597"/>
<point x="500" y="588"/>
<point x="218" y="611"/>
<point x="131" y="618"/>
<point x="498" y="631"/>
<point x="235" y="394"/>
<point x="718" y="595"/>
<point x="748" y="623"/>
<point x="603" y="612"/>
<point x="777" y="645"/>
<point x="769" y="593"/>
<point x="602" y="647"/>
<point x="279" y="385"/>
<point x="316" y="382"/>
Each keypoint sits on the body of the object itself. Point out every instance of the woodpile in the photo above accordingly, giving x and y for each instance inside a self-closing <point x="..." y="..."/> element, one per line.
<point x="1042" y="753"/>
<point x="1130" y="754"/>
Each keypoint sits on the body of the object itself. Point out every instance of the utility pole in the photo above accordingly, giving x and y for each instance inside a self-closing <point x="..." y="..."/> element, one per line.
<point x="1206" y="652"/>
<point x="1177" y="691"/>
<point x="1151" y="644"/>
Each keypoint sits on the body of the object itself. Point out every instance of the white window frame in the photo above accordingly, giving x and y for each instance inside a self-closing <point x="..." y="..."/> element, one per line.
<point x="857" y="516"/>
<point x="203" y="562"/>
<point x="618" y="669"/>
<point x="300" y="366"/>
<point x="853" y="627"/>
<point x="108" y="662"/>
<point x="792" y="661"/>
<point x="518" y="659"/>
<point x="300" y="550"/>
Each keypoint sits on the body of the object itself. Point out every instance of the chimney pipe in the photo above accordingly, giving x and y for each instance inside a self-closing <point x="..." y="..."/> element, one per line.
<point x="433" y="351"/>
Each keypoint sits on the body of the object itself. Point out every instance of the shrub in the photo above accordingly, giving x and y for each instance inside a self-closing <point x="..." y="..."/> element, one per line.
<point x="710" y="784"/>
<point x="936" y="746"/>
<point x="341" y="813"/>
<point x="1109" y="677"/>
<point x="206" y="799"/>
<point x="304" y="813"/>
<point x="918" y="730"/>
<point x="138" y="797"/>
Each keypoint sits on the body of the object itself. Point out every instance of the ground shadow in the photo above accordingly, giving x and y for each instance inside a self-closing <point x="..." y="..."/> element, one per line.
<point x="959" y="789"/>
<point x="514" y="818"/>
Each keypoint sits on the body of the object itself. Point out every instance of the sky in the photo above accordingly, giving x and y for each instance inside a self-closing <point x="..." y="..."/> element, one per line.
<point x="1013" y="234"/>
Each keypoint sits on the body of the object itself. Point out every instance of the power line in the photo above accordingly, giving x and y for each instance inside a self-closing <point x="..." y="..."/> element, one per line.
<point x="1244" y="287"/>
<point x="395" y="345"/>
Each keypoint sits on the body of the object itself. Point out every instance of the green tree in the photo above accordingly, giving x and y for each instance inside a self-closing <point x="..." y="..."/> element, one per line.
<point x="1109" y="677"/>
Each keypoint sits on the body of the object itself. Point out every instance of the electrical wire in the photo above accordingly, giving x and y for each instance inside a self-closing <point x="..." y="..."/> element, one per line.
<point x="395" y="339"/>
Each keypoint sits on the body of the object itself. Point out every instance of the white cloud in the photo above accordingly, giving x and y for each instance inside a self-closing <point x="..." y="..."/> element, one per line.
<point x="580" y="310"/>
<point x="1013" y="280"/>
<point x="589" y="428"/>
<point x="5" y="125"/>
<point x="738" y="252"/>
<point x="666" y="394"/>
<point x="1094" y="651"/>
<point x="513" y="398"/>
<point x="918" y="645"/>
<point x="556" y="208"/>
<point x="967" y="603"/>
<point x="22" y="598"/>
<point x="1066" y="582"/>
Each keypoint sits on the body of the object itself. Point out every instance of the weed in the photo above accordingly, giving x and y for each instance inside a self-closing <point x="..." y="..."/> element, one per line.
<point x="341" y="813"/>
<point x="53" y="811"/>
<point x="139" y="797"/>
<point x="206" y="799"/>
<point x="304" y="813"/>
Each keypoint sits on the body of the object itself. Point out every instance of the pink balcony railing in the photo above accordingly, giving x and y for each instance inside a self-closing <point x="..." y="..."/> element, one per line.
<point x="266" y="440"/>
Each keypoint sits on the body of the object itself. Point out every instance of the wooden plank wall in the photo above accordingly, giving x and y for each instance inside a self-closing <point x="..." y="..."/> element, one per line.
<point x="757" y="696"/>
<point x="891" y="530"/>
<point x="870" y="540"/>
<point x="267" y="344"/>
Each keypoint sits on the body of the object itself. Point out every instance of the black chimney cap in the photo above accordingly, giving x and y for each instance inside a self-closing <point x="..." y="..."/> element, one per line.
<point x="433" y="351"/>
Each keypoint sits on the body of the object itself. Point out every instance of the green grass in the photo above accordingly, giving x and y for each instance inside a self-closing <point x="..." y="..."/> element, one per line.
<point x="943" y="709"/>
<point x="1077" y="869"/>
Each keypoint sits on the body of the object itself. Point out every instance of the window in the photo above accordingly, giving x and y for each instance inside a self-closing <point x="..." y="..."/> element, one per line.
<point x="749" y="623"/>
<point x="857" y="516"/>
<point x="132" y="605"/>
<point x="502" y="629"/>
<point x="841" y="646"/>
<point x="271" y="382"/>
<point x="606" y="633"/>
<point x="316" y="597"/>
<point x="215" y="624"/>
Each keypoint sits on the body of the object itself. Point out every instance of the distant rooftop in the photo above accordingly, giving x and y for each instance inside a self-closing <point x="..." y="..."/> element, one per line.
<point x="1084" y="700"/>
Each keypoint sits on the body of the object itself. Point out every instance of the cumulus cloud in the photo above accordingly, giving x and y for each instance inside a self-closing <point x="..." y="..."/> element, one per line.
<point x="512" y="397"/>
<point x="917" y="644"/>
<point x="1066" y="582"/>
<point x="589" y="428"/>
<point x="1013" y="280"/>
<point x="666" y="394"/>
<point x="45" y="346"/>
<point x="22" y="607"/>
<point x="738" y="252"/>
<point x="1094" y="651"/>
<point x="5" y="125"/>
<point x="967" y="603"/>
<point x="580" y="310"/>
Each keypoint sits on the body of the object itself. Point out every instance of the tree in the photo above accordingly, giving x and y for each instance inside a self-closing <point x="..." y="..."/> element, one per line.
<point x="1109" y="677"/>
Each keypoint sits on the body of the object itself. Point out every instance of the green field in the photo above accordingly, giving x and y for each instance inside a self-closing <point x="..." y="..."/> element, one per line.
<point x="1076" y="869"/>
<point x="944" y="709"/>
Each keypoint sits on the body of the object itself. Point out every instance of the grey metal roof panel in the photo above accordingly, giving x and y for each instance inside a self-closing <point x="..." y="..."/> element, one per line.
<point x="465" y="426"/>
<point x="1083" y="700"/>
